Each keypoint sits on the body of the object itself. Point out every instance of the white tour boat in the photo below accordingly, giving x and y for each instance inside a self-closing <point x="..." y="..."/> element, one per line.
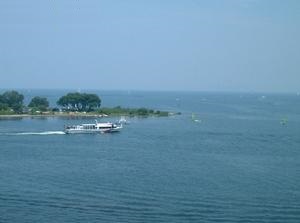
<point x="102" y="127"/>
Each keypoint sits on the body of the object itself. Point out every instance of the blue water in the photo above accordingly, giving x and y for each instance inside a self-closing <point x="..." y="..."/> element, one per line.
<point x="237" y="164"/>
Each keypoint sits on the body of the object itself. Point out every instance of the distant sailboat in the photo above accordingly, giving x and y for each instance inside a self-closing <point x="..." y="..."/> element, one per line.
<point x="178" y="102"/>
<point x="194" y="118"/>
<point x="283" y="121"/>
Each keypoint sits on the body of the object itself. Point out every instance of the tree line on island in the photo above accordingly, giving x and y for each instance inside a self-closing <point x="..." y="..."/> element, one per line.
<point x="12" y="102"/>
<point x="79" y="102"/>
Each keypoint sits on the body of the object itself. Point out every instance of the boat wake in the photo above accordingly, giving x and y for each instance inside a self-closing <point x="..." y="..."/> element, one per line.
<point x="37" y="133"/>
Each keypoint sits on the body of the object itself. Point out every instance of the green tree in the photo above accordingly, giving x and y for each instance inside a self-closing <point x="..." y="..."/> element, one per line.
<point x="71" y="101"/>
<point x="92" y="102"/>
<point x="79" y="102"/>
<point x="14" y="100"/>
<point x="39" y="103"/>
<point x="3" y="105"/>
<point x="142" y="111"/>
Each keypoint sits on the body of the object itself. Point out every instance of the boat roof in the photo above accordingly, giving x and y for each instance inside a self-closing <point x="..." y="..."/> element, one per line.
<point x="104" y="124"/>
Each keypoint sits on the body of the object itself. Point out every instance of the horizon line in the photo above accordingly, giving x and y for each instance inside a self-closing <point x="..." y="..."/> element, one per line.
<point x="157" y="90"/>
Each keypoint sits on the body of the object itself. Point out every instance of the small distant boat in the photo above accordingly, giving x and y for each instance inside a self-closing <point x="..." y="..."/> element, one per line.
<point x="284" y="121"/>
<point x="103" y="127"/>
<point x="123" y="121"/>
<point x="194" y="118"/>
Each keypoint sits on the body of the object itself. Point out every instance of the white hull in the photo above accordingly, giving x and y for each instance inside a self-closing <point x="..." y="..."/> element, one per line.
<point x="91" y="131"/>
<point x="93" y="128"/>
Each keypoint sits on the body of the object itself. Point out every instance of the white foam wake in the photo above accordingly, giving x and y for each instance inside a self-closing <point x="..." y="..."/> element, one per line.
<point x="39" y="133"/>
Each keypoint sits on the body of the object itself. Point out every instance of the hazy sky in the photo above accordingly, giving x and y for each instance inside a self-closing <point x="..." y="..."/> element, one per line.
<point x="246" y="45"/>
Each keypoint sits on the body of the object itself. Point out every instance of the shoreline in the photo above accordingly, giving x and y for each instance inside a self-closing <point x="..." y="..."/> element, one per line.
<point x="50" y="115"/>
<point x="80" y="115"/>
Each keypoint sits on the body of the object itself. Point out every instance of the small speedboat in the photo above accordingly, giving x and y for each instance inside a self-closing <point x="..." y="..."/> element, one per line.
<point x="123" y="121"/>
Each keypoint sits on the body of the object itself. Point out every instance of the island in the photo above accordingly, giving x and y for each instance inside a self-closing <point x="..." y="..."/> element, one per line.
<point x="71" y="104"/>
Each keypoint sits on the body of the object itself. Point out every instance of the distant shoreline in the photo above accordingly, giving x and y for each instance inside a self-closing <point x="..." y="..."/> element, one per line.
<point x="82" y="115"/>
<point x="70" y="105"/>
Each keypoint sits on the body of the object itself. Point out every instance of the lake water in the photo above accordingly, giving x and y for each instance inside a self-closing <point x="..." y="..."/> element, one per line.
<point x="238" y="163"/>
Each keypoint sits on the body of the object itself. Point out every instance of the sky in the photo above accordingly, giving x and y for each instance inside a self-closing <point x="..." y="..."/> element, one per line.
<point x="185" y="45"/>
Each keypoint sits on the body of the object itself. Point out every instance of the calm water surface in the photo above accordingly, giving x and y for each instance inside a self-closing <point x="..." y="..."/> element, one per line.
<point x="237" y="164"/>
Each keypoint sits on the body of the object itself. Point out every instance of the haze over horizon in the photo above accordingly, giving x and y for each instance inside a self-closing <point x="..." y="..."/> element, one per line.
<point x="247" y="45"/>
